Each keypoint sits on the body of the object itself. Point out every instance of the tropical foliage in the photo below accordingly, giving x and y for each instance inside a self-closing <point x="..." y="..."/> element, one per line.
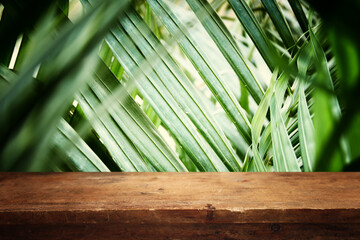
<point x="175" y="85"/>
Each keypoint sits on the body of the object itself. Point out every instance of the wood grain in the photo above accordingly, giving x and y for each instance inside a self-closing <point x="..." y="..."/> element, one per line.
<point x="180" y="205"/>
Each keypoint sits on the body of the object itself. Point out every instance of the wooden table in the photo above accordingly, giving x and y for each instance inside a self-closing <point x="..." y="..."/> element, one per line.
<point x="180" y="206"/>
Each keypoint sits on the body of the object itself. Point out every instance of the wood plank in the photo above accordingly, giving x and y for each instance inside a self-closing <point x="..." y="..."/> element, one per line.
<point x="180" y="205"/>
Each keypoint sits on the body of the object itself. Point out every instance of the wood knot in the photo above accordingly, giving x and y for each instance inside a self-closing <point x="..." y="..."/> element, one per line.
<point x="275" y="227"/>
<point x="210" y="212"/>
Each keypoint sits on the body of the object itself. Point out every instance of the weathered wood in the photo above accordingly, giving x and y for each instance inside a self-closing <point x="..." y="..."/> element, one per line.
<point x="179" y="205"/>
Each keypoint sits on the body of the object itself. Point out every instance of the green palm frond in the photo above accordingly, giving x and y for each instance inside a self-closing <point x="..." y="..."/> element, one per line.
<point x="175" y="85"/>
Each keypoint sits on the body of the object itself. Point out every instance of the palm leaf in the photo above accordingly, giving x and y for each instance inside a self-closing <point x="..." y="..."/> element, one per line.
<point x="258" y="123"/>
<point x="306" y="127"/>
<point x="135" y="124"/>
<point x="300" y="15"/>
<point x="198" y="57"/>
<point x="280" y="23"/>
<point x="184" y="93"/>
<point x="284" y="155"/>
<point x="253" y="28"/>
<point x="36" y="113"/>
<point x="327" y="108"/>
<point x="120" y="147"/>
<point x="306" y="133"/>
<point x="164" y="103"/>
<point x="221" y="36"/>
<point x="79" y="155"/>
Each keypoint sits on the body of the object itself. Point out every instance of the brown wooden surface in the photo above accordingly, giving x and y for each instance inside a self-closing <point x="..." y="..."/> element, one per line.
<point x="180" y="206"/>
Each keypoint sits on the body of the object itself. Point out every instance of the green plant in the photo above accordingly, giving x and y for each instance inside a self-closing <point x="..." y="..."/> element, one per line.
<point x="178" y="86"/>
